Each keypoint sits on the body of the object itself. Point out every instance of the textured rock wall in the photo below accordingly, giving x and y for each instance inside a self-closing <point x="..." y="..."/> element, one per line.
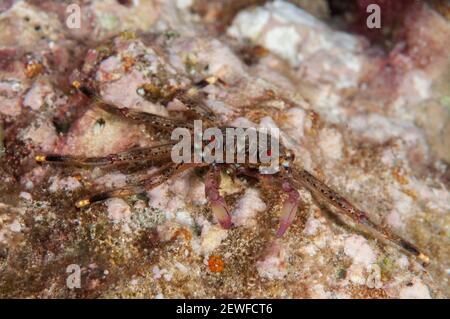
<point x="372" y="124"/>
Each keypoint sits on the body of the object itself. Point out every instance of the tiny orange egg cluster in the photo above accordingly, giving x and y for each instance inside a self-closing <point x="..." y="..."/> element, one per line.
<point x="215" y="263"/>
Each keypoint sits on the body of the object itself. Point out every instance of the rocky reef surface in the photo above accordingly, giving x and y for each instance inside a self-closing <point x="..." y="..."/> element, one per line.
<point x="372" y="122"/>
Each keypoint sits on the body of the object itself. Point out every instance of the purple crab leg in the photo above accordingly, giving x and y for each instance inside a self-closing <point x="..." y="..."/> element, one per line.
<point x="217" y="202"/>
<point x="289" y="209"/>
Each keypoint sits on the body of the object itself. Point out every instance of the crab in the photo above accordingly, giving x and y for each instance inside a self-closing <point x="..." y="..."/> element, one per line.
<point x="289" y="178"/>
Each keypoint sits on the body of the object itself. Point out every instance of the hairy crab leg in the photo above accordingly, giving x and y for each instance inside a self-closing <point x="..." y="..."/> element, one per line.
<point x="139" y="185"/>
<point x="191" y="98"/>
<point x="195" y="102"/>
<point x="289" y="209"/>
<point x="152" y="120"/>
<point x="325" y="193"/>
<point x="98" y="197"/>
<point x="217" y="202"/>
<point x="150" y="155"/>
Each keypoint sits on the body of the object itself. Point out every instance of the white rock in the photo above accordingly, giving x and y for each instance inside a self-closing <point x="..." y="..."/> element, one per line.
<point x="247" y="208"/>
<point x="219" y="107"/>
<point x="403" y="262"/>
<point x="312" y="225"/>
<point x="41" y="132"/>
<point x="180" y="186"/>
<point x="394" y="219"/>
<point x="415" y="87"/>
<point x="35" y="97"/>
<point x="113" y="180"/>
<point x="310" y="249"/>
<point x="272" y="265"/>
<point x="122" y="92"/>
<point x="174" y="205"/>
<point x="158" y="197"/>
<point x="222" y="61"/>
<point x="197" y="193"/>
<point x="25" y="195"/>
<point x="297" y="121"/>
<point x="67" y="184"/>
<point x="249" y="24"/>
<point x="417" y="291"/>
<point x="284" y="41"/>
<point x="167" y="276"/>
<point x="107" y="68"/>
<point x="322" y="54"/>
<point x="318" y="292"/>
<point x="181" y="267"/>
<point x="118" y="210"/>
<point x="156" y="272"/>
<point x="15" y="226"/>
<point x="184" y="4"/>
<point x="330" y="142"/>
<point x="268" y="123"/>
<point x="184" y="218"/>
<point x="355" y="273"/>
<point x="358" y="248"/>
<point x="242" y="122"/>
<point x="211" y="237"/>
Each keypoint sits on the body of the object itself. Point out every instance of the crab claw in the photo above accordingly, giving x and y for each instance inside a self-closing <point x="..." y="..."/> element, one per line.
<point x="218" y="204"/>
<point x="220" y="210"/>
<point x="289" y="209"/>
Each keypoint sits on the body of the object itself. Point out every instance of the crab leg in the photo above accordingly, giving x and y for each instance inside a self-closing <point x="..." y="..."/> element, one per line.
<point x="191" y="98"/>
<point x="138" y="185"/>
<point x="98" y="197"/>
<point x="149" y="155"/>
<point x="322" y="191"/>
<point x="218" y="204"/>
<point x="194" y="100"/>
<point x="152" y="120"/>
<point x="289" y="209"/>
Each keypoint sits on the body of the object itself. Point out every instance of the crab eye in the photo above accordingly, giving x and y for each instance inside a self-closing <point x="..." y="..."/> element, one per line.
<point x="285" y="164"/>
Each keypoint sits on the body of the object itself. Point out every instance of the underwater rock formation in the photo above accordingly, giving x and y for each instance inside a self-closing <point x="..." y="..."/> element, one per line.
<point x="371" y="123"/>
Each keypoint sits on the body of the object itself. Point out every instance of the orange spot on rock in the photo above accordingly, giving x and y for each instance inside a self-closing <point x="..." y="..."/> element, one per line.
<point x="186" y="234"/>
<point x="270" y="93"/>
<point x="399" y="177"/>
<point x="411" y="193"/>
<point x="33" y="68"/>
<point x="215" y="263"/>
<point x="76" y="84"/>
<point x="128" y="63"/>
